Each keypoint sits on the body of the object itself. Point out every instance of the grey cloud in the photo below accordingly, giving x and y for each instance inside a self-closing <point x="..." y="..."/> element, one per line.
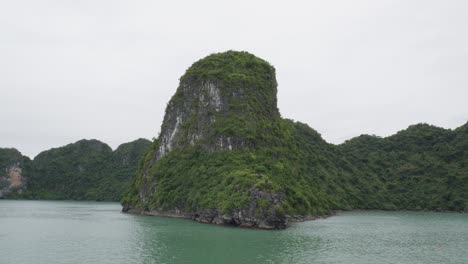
<point x="106" y="69"/>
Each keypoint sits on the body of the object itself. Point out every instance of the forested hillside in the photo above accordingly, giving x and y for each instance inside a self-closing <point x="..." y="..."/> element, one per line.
<point x="84" y="170"/>
<point x="422" y="167"/>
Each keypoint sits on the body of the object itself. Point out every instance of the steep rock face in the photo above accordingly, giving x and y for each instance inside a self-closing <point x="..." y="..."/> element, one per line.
<point x="12" y="174"/>
<point x="220" y="103"/>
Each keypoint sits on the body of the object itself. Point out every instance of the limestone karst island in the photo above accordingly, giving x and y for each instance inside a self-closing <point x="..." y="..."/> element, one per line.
<point x="225" y="155"/>
<point x="233" y="132"/>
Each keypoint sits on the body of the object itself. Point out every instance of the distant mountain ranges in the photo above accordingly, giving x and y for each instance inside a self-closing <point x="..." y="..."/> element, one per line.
<point x="226" y="156"/>
<point x="84" y="170"/>
<point x="422" y="168"/>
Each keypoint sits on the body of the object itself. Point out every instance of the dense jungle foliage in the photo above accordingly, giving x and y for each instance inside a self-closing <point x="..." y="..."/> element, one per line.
<point x="85" y="170"/>
<point x="420" y="168"/>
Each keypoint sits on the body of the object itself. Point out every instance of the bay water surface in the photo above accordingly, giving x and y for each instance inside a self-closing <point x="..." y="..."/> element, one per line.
<point x="97" y="232"/>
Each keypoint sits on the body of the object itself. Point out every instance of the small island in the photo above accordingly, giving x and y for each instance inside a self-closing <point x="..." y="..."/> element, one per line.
<point x="226" y="156"/>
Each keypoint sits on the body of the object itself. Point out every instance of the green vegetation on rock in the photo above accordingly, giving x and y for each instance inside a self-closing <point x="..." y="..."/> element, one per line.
<point x="69" y="172"/>
<point x="421" y="168"/>
<point x="226" y="156"/>
<point x="84" y="170"/>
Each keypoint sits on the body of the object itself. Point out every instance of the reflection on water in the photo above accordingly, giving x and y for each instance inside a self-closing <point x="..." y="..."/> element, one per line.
<point x="91" y="232"/>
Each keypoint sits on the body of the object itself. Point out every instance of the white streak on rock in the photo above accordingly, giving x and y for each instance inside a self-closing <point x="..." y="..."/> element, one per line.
<point x="168" y="139"/>
<point x="171" y="142"/>
<point x="229" y="143"/>
<point x="215" y="97"/>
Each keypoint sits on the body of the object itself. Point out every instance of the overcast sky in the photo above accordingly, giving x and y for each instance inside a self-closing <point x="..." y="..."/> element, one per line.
<point x="105" y="69"/>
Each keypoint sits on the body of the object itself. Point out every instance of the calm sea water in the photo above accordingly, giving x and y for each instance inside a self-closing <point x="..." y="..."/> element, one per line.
<point x="92" y="232"/>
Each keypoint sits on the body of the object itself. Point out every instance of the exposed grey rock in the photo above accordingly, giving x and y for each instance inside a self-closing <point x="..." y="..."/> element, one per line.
<point x="251" y="217"/>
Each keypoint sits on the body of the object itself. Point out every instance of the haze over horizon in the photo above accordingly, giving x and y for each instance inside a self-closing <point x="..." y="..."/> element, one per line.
<point x="106" y="69"/>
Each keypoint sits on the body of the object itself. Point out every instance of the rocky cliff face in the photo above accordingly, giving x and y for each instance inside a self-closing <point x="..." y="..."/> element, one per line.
<point x="12" y="179"/>
<point x="221" y="104"/>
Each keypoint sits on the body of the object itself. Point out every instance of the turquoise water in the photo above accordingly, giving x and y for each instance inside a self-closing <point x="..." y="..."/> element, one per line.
<point x="92" y="232"/>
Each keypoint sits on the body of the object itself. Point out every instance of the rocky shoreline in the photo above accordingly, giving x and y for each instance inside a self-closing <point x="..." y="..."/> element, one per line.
<point x="235" y="219"/>
<point x="238" y="218"/>
<point x="214" y="217"/>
